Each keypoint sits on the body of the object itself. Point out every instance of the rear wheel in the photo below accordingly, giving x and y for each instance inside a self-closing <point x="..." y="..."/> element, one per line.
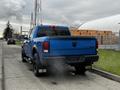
<point x="14" y="43"/>
<point x="8" y="43"/>
<point x="80" y="69"/>
<point x="35" y="65"/>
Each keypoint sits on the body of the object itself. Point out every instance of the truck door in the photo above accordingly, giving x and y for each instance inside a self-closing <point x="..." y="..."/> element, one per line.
<point x="29" y="47"/>
<point x="29" y="44"/>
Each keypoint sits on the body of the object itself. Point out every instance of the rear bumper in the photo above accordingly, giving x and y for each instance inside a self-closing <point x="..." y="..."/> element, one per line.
<point x="73" y="59"/>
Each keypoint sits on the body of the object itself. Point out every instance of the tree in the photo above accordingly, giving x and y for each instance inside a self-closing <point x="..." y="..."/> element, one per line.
<point x="8" y="31"/>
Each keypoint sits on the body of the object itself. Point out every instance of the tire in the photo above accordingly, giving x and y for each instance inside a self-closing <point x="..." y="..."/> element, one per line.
<point x="23" y="56"/>
<point x="35" y="66"/>
<point x="80" y="69"/>
<point x="7" y="43"/>
<point x="14" y="43"/>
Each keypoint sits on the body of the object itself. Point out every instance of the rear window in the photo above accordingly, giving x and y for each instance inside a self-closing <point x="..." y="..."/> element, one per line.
<point x="53" y="32"/>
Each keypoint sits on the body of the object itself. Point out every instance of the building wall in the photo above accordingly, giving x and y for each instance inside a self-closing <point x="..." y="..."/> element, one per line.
<point x="103" y="37"/>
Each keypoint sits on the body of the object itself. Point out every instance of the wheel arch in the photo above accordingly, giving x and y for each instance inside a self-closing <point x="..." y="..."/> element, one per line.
<point x="34" y="50"/>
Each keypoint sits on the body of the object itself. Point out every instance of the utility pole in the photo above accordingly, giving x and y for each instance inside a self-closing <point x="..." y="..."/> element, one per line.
<point x="35" y="13"/>
<point x="21" y="30"/>
<point x="119" y="39"/>
<point x="31" y="21"/>
<point x="38" y="12"/>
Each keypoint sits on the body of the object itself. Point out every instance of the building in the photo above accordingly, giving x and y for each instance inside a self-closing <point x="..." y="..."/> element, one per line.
<point x="106" y="30"/>
<point x="107" y="23"/>
<point x="104" y="37"/>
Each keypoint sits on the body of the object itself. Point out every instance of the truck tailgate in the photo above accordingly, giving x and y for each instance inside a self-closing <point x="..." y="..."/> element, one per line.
<point x="73" y="46"/>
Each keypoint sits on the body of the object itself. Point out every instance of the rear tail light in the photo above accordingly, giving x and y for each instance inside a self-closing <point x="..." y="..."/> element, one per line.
<point x="45" y="47"/>
<point x="97" y="46"/>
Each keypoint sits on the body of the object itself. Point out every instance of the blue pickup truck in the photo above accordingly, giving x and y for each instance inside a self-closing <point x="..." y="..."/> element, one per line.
<point x="48" y="43"/>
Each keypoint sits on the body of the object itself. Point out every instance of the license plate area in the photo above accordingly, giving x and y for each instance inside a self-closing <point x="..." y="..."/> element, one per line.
<point x="76" y="59"/>
<point x="82" y="58"/>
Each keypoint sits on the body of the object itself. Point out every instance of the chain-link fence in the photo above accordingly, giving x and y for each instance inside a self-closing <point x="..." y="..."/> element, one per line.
<point x="110" y="41"/>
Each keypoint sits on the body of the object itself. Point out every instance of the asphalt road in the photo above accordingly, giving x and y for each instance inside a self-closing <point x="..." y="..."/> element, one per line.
<point x="19" y="76"/>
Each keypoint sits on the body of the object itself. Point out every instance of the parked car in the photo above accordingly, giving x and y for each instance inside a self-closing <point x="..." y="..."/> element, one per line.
<point x="11" y="41"/>
<point x="49" y="43"/>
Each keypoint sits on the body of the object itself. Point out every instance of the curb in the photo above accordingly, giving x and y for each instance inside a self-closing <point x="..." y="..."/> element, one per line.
<point x="106" y="74"/>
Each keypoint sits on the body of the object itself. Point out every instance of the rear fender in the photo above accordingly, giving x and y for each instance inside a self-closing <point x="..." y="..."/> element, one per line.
<point x="35" y="50"/>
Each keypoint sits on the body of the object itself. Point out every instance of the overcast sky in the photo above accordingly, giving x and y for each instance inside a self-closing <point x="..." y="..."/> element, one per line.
<point x="59" y="11"/>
